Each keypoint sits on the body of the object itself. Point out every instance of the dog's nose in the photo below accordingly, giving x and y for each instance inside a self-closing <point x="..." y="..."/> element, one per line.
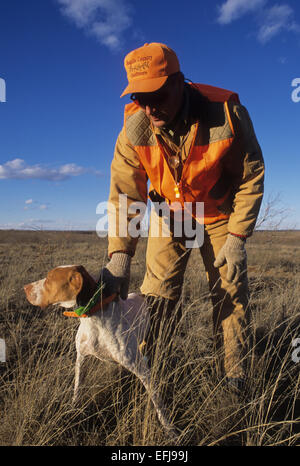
<point x="27" y="289"/>
<point x="29" y="293"/>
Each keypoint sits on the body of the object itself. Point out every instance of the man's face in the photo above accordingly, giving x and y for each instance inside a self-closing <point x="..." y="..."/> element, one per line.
<point x="161" y="106"/>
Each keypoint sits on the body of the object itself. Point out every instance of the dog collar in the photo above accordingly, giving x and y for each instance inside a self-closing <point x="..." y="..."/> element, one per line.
<point x="96" y="303"/>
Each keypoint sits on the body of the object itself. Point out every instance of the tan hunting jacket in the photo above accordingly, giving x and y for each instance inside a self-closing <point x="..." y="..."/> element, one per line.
<point x="243" y="165"/>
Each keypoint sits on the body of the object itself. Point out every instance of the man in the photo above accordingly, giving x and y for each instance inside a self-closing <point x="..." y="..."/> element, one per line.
<point x="196" y="144"/>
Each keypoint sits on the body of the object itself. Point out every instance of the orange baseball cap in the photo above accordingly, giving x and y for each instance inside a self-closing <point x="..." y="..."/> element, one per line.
<point x="148" y="67"/>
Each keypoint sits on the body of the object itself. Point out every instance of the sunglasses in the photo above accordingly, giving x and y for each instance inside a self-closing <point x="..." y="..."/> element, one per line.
<point x="150" y="99"/>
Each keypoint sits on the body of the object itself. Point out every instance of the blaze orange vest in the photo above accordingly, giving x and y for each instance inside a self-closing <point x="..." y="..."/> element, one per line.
<point x="202" y="170"/>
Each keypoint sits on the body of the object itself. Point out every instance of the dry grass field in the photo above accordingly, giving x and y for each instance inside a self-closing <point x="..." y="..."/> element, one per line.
<point x="36" y="381"/>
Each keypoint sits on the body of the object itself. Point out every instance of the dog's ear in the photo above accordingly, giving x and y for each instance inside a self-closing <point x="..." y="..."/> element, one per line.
<point x="76" y="281"/>
<point x="86" y="286"/>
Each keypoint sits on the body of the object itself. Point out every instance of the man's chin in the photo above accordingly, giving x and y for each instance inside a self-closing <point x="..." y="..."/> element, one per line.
<point x="158" y="123"/>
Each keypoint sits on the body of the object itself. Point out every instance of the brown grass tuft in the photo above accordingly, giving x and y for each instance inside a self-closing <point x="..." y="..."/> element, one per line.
<point x="36" y="382"/>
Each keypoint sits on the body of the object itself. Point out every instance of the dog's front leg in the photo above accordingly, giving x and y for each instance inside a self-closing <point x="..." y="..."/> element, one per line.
<point x="78" y="376"/>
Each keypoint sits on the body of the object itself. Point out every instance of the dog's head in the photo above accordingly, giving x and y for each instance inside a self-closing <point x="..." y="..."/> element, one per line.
<point x="66" y="286"/>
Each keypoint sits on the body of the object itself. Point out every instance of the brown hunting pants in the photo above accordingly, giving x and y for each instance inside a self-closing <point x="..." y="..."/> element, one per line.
<point x="166" y="260"/>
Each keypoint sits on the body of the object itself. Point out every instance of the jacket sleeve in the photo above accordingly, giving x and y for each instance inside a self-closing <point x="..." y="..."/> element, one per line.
<point x="129" y="178"/>
<point x="246" y="168"/>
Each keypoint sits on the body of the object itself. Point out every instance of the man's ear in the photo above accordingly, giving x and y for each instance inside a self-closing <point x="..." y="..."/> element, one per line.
<point x="76" y="281"/>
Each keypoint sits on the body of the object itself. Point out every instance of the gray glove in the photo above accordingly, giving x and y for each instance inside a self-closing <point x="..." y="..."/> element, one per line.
<point x="234" y="253"/>
<point x="116" y="275"/>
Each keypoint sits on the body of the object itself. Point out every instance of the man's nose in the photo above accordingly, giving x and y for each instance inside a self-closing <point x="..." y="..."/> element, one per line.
<point x="149" y="110"/>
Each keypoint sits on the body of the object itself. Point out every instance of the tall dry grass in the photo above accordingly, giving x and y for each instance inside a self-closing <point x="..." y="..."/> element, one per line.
<point x="36" y="382"/>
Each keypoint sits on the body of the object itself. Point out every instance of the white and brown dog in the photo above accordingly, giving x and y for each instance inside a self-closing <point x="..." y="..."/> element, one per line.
<point x="113" y="332"/>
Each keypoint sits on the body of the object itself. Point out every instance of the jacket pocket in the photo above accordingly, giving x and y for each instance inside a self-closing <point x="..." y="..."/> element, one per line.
<point x="253" y="164"/>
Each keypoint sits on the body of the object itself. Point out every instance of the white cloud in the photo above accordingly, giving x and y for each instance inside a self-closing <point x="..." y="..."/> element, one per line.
<point x="282" y="60"/>
<point x="39" y="224"/>
<point x="17" y="169"/>
<point x="30" y="204"/>
<point x="271" y="20"/>
<point x="277" y="19"/>
<point x="31" y="222"/>
<point x="104" y="19"/>
<point x="235" y="9"/>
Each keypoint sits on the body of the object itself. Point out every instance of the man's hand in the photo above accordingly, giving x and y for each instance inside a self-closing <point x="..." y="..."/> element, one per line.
<point x="234" y="253"/>
<point x="116" y="275"/>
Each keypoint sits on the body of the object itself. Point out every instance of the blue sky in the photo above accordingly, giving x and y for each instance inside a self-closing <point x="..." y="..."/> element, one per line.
<point x="61" y="75"/>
